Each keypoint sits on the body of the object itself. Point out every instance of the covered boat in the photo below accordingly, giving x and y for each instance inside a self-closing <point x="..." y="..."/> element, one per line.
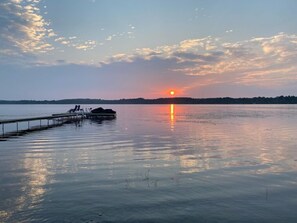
<point x="101" y="113"/>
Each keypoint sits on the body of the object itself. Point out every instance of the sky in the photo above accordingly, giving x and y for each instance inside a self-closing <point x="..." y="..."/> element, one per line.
<point x="113" y="49"/>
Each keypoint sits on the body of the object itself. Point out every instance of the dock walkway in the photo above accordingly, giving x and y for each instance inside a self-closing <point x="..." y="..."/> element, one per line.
<point x="51" y="121"/>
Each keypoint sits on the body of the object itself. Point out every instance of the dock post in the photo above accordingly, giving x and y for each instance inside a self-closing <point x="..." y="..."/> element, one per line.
<point x="17" y="125"/>
<point x="48" y="123"/>
<point x="3" y="130"/>
<point x="40" y="123"/>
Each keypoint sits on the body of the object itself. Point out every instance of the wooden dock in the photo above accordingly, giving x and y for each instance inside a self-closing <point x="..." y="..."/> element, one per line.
<point x="44" y="122"/>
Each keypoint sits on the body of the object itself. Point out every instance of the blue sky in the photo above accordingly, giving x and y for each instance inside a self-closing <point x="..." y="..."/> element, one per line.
<point x="54" y="49"/>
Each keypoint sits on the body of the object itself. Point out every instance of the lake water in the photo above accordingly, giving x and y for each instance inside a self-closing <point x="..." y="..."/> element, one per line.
<point x="153" y="163"/>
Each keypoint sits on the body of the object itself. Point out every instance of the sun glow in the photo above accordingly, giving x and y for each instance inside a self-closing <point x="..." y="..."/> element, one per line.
<point x="172" y="92"/>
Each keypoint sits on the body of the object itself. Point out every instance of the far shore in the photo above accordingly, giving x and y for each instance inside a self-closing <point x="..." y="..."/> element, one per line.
<point x="172" y="100"/>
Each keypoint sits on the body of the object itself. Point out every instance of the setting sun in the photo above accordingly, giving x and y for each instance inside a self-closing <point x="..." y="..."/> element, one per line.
<point x="172" y="92"/>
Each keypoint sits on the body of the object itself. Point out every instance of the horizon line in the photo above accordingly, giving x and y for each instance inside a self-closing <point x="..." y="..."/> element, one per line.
<point x="141" y="98"/>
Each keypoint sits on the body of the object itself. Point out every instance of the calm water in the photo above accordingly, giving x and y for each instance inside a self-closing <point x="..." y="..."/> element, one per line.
<point x="156" y="163"/>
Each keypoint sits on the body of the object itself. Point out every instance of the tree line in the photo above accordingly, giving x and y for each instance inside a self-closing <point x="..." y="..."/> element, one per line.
<point x="175" y="100"/>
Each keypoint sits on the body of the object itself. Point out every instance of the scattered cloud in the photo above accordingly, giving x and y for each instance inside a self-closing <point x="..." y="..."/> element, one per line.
<point x="131" y="26"/>
<point x="121" y="35"/>
<point x="109" y="38"/>
<point x="74" y="42"/>
<point x="258" y="61"/>
<point x="87" y="45"/>
<point x="24" y="33"/>
<point x="22" y="27"/>
<point x="60" y="39"/>
<point x="238" y="69"/>
<point x="65" y="42"/>
<point x="198" y="13"/>
<point x="51" y="33"/>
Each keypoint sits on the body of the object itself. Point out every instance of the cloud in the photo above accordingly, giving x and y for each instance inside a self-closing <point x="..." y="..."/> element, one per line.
<point x="236" y="69"/>
<point x="190" y="65"/>
<point x="260" y="61"/>
<point x="131" y="26"/>
<point x="74" y="42"/>
<point x="23" y="29"/>
<point x="51" y="33"/>
<point x="121" y="35"/>
<point x="65" y="42"/>
<point x="109" y="38"/>
<point x="25" y="34"/>
<point x="87" y="45"/>
<point x="282" y="47"/>
<point x="60" y="39"/>
<point x="190" y="44"/>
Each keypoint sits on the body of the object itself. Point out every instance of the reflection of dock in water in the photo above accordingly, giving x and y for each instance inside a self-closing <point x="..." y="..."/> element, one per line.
<point x="26" y="125"/>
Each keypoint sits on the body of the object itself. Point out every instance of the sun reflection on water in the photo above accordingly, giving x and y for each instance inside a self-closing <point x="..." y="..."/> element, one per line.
<point x="172" y="117"/>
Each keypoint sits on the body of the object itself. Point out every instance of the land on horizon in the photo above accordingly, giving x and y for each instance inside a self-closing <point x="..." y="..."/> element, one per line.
<point x="172" y="100"/>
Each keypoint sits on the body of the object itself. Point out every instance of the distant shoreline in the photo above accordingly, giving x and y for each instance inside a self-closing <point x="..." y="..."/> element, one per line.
<point x="176" y="100"/>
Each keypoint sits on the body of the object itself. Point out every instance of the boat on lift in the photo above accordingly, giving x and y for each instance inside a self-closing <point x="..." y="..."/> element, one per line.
<point x="101" y="113"/>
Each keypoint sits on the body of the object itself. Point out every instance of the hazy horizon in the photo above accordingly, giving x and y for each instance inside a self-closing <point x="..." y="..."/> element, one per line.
<point x="112" y="49"/>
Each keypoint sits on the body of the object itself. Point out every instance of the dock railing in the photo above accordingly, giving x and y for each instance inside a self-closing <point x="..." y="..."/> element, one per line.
<point x="51" y="121"/>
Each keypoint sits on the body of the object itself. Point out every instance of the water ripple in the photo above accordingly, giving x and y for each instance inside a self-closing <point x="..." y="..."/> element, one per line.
<point x="156" y="164"/>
